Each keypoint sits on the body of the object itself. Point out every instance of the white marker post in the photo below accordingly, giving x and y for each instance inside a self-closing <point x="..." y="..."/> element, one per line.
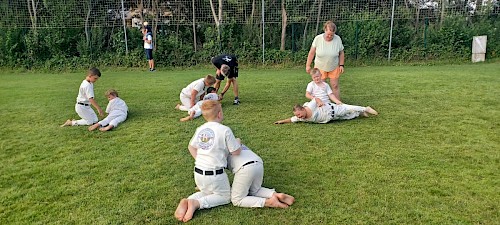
<point x="478" y="48"/>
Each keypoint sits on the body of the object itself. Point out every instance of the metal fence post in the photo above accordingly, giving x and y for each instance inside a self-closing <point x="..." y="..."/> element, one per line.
<point x="263" y="43"/>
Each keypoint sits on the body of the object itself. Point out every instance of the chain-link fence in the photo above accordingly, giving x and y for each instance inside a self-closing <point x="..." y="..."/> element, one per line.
<point x="366" y="26"/>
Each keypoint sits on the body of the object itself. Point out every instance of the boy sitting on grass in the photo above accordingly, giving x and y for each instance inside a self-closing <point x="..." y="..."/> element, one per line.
<point x="117" y="112"/>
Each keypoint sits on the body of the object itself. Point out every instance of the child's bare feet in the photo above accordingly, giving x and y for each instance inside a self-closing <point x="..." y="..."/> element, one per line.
<point x="67" y="123"/>
<point x="106" y="128"/>
<point x="274" y="202"/>
<point x="365" y="114"/>
<point x="187" y="118"/>
<point x="287" y="199"/>
<point x="177" y="106"/>
<point x="371" y="110"/>
<point x="181" y="209"/>
<point x="93" y="127"/>
<point x="193" y="205"/>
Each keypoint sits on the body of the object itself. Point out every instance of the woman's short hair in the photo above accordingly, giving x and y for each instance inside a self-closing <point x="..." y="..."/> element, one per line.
<point x="329" y="25"/>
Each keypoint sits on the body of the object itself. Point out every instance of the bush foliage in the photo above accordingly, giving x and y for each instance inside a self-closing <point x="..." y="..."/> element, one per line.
<point x="365" y="41"/>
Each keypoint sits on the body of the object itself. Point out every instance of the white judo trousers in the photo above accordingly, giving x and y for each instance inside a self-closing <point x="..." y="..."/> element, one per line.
<point x="215" y="190"/>
<point x="213" y="142"/>
<point x="87" y="115"/>
<point x="186" y="102"/>
<point x="346" y="112"/>
<point x="247" y="190"/>
<point x="113" y="118"/>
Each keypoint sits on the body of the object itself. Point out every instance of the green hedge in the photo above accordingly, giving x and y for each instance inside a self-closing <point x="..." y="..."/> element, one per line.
<point x="364" y="41"/>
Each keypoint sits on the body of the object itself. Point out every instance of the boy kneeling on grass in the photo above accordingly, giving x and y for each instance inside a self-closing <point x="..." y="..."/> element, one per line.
<point x="195" y="111"/>
<point x="210" y="146"/>
<point x="117" y="112"/>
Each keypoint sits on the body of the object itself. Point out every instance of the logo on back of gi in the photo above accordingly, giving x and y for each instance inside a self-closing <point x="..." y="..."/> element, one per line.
<point x="227" y="58"/>
<point x="206" y="138"/>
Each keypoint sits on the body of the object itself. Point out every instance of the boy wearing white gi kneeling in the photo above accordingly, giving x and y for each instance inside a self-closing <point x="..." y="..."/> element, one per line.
<point x="117" y="112"/>
<point x="247" y="190"/>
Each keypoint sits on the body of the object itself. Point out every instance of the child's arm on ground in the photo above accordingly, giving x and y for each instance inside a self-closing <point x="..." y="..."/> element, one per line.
<point x="289" y="120"/>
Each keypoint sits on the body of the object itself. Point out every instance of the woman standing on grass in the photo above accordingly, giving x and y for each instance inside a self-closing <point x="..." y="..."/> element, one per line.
<point x="328" y="53"/>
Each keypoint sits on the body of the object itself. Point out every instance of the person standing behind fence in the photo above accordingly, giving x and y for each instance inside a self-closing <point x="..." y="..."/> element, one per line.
<point x="328" y="53"/>
<point x="148" y="45"/>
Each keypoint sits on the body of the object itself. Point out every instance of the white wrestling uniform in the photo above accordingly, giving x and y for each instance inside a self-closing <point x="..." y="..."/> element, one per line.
<point x="214" y="142"/>
<point x="117" y="112"/>
<point x="82" y="106"/>
<point x="248" y="169"/>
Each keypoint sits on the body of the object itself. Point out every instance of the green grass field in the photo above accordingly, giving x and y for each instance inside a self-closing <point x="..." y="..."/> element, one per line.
<point x="430" y="157"/>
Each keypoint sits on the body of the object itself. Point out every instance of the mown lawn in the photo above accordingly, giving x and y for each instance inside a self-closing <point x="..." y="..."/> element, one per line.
<point x="431" y="156"/>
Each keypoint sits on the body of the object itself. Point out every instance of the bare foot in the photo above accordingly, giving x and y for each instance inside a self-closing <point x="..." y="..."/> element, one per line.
<point x="181" y="209"/>
<point x="365" y="114"/>
<point x="106" y="128"/>
<point x="177" y="106"/>
<point x="288" y="199"/>
<point x="371" y="110"/>
<point x="274" y="202"/>
<point x="193" y="205"/>
<point x="67" y="123"/>
<point x="184" y="119"/>
<point x="93" y="127"/>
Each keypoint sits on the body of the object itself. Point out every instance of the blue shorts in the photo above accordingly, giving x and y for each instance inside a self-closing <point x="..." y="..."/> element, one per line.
<point x="149" y="54"/>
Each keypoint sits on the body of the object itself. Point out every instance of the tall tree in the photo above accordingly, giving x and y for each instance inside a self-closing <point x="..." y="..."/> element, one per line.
<point x="283" y="24"/>
<point x="217" y="19"/>
<point x="32" y="8"/>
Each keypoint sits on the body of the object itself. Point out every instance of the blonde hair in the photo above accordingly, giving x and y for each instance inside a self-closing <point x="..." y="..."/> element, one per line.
<point x="315" y="71"/>
<point x="111" y="92"/>
<point x="210" y="109"/>
<point x="330" y="26"/>
<point x="224" y="69"/>
<point x="210" y="80"/>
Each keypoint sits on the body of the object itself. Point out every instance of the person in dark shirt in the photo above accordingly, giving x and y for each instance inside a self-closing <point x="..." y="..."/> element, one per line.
<point x="227" y="66"/>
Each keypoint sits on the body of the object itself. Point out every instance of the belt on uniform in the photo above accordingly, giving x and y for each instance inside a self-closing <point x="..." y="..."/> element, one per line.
<point x="79" y="103"/>
<point x="333" y="111"/>
<point x="209" y="172"/>
<point x="248" y="163"/>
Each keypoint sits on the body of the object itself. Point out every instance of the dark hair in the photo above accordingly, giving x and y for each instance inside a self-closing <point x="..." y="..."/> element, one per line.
<point x="210" y="90"/>
<point x="94" y="71"/>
